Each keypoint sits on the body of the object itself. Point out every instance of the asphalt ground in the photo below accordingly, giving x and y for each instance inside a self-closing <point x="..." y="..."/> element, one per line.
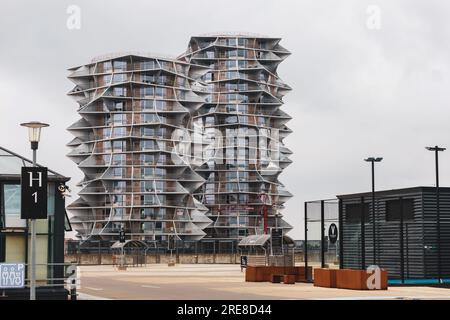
<point x="216" y="282"/>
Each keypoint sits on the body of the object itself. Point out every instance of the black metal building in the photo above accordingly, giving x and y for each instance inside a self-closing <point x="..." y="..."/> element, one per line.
<point x="407" y="240"/>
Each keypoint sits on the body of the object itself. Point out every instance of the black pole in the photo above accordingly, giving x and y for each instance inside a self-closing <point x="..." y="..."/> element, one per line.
<point x="363" y="236"/>
<point x="373" y="214"/>
<point x="305" y="250"/>
<point x="341" y="237"/>
<point x="322" y="233"/>
<point x="402" y="258"/>
<point x="436" y="150"/>
<point x="438" y="214"/>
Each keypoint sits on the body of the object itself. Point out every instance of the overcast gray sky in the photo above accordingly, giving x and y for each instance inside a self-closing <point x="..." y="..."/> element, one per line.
<point x="357" y="91"/>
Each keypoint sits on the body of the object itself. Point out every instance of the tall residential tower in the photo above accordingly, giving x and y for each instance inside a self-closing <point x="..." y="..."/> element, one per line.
<point x="130" y="105"/>
<point x="243" y="108"/>
<point x="223" y="95"/>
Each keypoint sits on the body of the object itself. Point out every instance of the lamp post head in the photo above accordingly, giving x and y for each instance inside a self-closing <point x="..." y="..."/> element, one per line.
<point x="34" y="132"/>
<point x="435" y="148"/>
<point x="373" y="159"/>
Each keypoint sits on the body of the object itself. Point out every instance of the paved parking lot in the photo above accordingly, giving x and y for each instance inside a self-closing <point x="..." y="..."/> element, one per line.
<point x="215" y="281"/>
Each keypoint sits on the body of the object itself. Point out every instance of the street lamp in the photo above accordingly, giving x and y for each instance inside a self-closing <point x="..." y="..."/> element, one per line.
<point x="436" y="151"/>
<point x="34" y="135"/>
<point x="373" y="160"/>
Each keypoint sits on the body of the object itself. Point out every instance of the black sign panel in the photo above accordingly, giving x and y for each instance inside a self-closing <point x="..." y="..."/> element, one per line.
<point x="243" y="261"/>
<point x="122" y="236"/>
<point x="34" y="193"/>
<point x="277" y="238"/>
<point x="171" y="242"/>
<point x="333" y="233"/>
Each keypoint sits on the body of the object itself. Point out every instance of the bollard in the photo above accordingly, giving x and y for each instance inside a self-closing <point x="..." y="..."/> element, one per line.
<point x="73" y="291"/>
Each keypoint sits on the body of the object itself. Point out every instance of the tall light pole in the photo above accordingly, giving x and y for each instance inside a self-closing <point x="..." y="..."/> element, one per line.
<point x="436" y="150"/>
<point x="372" y="160"/>
<point x="34" y="135"/>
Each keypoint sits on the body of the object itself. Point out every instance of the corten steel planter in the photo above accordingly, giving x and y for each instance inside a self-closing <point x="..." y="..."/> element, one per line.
<point x="325" y="278"/>
<point x="289" y="279"/>
<point x="264" y="273"/>
<point x="357" y="279"/>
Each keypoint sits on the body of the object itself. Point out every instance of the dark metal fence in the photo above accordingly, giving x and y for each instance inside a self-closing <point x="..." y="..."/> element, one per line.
<point x="397" y="231"/>
<point x="154" y="247"/>
<point x="322" y="246"/>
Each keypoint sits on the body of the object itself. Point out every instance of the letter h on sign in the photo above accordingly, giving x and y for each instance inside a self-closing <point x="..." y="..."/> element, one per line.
<point x="34" y="193"/>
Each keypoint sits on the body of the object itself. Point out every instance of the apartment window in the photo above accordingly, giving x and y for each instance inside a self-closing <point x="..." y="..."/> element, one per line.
<point x="121" y="77"/>
<point x="146" y="104"/>
<point x="242" y="86"/>
<point x="159" y="92"/>
<point x="148" y="145"/>
<point x="231" y="64"/>
<point x="118" y="106"/>
<point x="149" y="132"/>
<point x="231" y="75"/>
<point x="261" y="121"/>
<point x="147" y="212"/>
<point x="147" y="65"/>
<point x="232" y="42"/>
<point x="242" y="232"/>
<point x="148" y="226"/>
<point x="393" y="209"/>
<point x="243" y="198"/>
<point x="162" y="159"/>
<point x="230" y="108"/>
<point x="106" y="79"/>
<point x="210" y="54"/>
<point x="243" y="119"/>
<point x="147" y="91"/>
<point x="232" y="53"/>
<point x="242" y="42"/>
<point x="242" y="108"/>
<point x="242" y="53"/>
<point x="160" y="105"/>
<point x="119" y="91"/>
<point x="162" y="80"/>
<point x="231" y="176"/>
<point x="119" y="186"/>
<point x="119" y="145"/>
<point x="147" y="78"/>
<point x="118" y="172"/>
<point x="118" y="118"/>
<point x="243" y="176"/>
<point x="242" y="64"/>
<point x="107" y="66"/>
<point x="119" y="132"/>
<point x="118" y="159"/>
<point x="149" y="199"/>
<point x="231" y="119"/>
<point x="150" y="118"/>
<point x="120" y="66"/>
<point x="148" y="172"/>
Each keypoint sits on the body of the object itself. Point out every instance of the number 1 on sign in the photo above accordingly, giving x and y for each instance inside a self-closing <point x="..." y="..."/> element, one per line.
<point x="35" y="197"/>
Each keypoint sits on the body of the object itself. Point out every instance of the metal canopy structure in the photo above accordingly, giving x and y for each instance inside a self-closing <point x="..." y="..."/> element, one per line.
<point x="254" y="240"/>
<point x="129" y="244"/>
<point x="260" y="240"/>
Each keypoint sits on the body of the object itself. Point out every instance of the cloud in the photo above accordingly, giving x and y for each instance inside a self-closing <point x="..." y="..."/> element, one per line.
<point x="356" y="92"/>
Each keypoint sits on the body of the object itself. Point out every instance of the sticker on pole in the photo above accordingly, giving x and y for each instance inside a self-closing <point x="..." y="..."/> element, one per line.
<point x="333" y="233"/>
<point x="12" y="275"/>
